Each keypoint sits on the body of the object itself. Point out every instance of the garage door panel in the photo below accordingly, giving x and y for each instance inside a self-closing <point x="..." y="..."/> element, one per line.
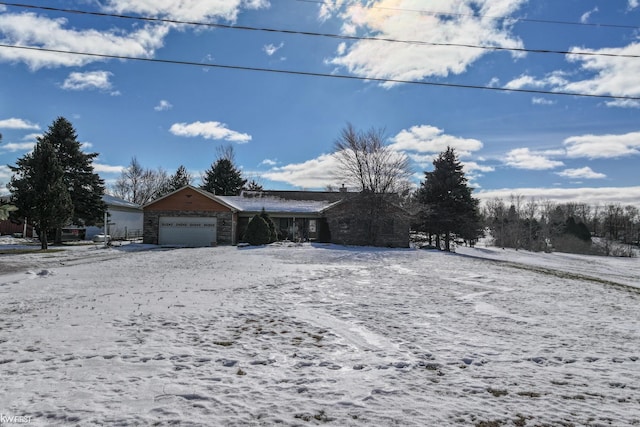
<point x="187" y="231"/>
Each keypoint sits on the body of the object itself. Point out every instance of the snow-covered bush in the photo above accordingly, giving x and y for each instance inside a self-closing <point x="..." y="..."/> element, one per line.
<point x="258" y="232"/>
<point x="273" y="231"/>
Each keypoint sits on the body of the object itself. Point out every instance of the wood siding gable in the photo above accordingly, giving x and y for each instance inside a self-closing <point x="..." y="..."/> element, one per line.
<point x="187" y="199"/>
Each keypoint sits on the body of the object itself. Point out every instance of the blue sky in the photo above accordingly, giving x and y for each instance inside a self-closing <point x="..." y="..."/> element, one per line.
<point x="283" y="126"/>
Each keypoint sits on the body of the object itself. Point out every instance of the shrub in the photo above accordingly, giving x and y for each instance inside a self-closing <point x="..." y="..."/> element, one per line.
<point x="272" y="226"/>
<point x="258" y="232"/>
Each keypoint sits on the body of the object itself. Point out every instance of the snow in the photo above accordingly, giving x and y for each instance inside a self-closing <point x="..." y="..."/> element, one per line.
<point x="118" y="202"/>
<point x="276" y="204"/>
<point x="314" y="334"/>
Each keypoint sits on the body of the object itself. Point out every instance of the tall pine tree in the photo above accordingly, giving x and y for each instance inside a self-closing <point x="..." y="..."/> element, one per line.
<point x="178" y="180"/>
<point x="84" y="187"/>
<point x="39" y="190"/>
<point x="448" y="207"/>
<point x="223" y="178"/>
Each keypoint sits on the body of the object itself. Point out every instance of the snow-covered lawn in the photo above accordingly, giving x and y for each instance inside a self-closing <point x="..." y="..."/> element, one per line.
<point x="308" y="335"/>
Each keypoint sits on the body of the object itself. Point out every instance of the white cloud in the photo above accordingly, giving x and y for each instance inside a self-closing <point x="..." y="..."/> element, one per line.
<point x="603" y="146"/>
<point x="268" y="162"/>
<point x="472" y="167"/>
<point x="31" y="137"/>
<point x="88" y="81"/>
<point x="609" y="75"/>
<point x="28" y="29"/>
<point x="17" y="146"/>
<point x="32" y="30"/>
<point x="430" y="139"/>
<point x="386" y="19"/>
<point x="314" y="173"/>
<point x="633" y="4"/>
<point x="186" y="10"/>
<point x="163" y="105"/>
<point x="554" y="79"/>
<point x="102" y="168"/>
<point x="589" y="195"/>
<point x="473" y="171"/>
<point x="623" y="103"/>
<point x="494" y="82"/>
<point x="585" y="16"/>
<point x="605" y="75"/>
<point x="524" y="81"/>
<point x="423" y="160"/>
<point x="523" y="158"/>
<point x="209" y="130"/>
<point x="270" y="49"/>
<point x="542" y="101"/>
<point x="581" y="173"/>
<point x="14" y="123"/>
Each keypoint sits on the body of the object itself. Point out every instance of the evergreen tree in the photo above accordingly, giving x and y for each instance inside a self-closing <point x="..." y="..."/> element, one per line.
<point x="181" y="178"/>
<point x="448" y="207"/>
<point x="257" y="232"/>
<point x="273" y="231"/>
<point x="176" y="181"/>
<point x="577" y="229"/>
<point x="253" y="186"/>
<point x="85" y="188"/>
<point x="223" y="178"/>
<point x="40" y="191"/>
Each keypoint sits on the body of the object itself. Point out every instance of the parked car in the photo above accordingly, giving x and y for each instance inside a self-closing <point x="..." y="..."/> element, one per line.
<point x="99" y="238"/>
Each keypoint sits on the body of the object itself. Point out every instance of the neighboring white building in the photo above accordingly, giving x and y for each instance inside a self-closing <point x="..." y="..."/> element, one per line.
<point x="125" y="219"/>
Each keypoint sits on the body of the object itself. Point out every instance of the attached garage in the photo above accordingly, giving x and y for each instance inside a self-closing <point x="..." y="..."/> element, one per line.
<point x="189" y="217"/>
<point x="187" y="231"/>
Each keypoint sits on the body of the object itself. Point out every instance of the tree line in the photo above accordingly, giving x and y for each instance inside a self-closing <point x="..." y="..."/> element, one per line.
<point x="55" y="185"/>
<point x="142" y="185"/>
<point x="569" y="227"/>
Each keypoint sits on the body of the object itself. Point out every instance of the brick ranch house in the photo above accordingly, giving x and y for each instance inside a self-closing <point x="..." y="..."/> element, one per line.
<point x="194" y="217"/>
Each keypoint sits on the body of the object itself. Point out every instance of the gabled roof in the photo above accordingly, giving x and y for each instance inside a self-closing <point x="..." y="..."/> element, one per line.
<point x="118" y="202"/>
<point x="206" y="194"/>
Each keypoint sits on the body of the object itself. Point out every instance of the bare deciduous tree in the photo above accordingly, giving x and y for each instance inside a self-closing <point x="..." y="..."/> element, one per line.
<point x="365" y="162"/>
<point x="139" y="185"/>
<point x="378" y="173"/>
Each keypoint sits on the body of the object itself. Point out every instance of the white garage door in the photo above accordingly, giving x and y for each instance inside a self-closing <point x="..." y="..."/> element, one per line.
<point x="187" y="231"/>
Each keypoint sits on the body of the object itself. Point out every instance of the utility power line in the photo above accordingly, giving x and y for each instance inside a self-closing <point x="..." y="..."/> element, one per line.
<point x="310" y="33"/>
<point x="536" y="21"/>
<point x="315" y="74"/>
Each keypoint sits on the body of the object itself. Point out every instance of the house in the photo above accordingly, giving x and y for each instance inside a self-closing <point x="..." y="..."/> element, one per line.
<point x="298" y="215"/>
<point x="194" y="217"/>
<point x="124" y="219"/>
<point x="365" y="219"/>
<point x="189" y="217"/>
